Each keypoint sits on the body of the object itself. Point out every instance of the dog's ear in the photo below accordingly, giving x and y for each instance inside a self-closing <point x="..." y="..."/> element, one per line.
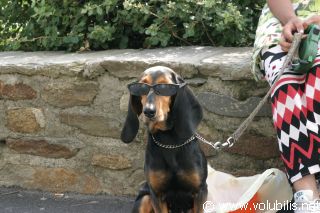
<point x="131" y="125"/>
<point x="187" y="113"/>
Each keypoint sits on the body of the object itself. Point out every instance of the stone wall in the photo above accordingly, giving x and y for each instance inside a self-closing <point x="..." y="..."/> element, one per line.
<point x="61" y="115"/>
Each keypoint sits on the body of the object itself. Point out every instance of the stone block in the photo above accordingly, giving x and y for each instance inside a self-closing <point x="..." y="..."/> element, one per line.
<point x="40" y="148"/>
<point x="90" y="185"/>
<point x="124" y="100"/>
<point x="260" y="125"/>
<point x="93" y="70"/>
<point x="258" y="147"/>
<point x="196" y="82"/>
<point x="25" y="120"/>
<point x="114" y="162"/>
<point x="125" y="69"/>
<point x="92" y="124"/>
<point x="17" y="91"/>
<point x="227" y="106"/>
<point x="65" y="94"/>
<point x="228" y="64"/>
<point x="240" y="90"/>
<point x="63" y="180"/>
<point x="186" y="70"/>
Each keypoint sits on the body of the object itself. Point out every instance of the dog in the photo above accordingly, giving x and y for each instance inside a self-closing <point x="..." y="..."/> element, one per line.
<point x="175" y="166"/>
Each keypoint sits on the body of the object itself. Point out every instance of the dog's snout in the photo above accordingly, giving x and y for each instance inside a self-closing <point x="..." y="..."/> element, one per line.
<point x="149" y="112"/>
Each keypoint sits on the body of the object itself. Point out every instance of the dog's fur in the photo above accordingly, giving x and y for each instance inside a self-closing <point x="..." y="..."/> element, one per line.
<point x="175" y="178"/>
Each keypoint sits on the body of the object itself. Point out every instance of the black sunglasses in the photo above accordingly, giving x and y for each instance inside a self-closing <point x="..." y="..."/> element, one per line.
<point x="139" y="89"/>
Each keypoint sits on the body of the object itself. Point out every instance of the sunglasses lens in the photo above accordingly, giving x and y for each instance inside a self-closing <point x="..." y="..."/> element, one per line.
<point x="165" y="89"/>
<point x="138" y="89"/>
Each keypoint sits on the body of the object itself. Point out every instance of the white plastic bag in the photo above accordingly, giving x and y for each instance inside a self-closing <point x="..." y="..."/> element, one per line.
<point x="266" y="192"/>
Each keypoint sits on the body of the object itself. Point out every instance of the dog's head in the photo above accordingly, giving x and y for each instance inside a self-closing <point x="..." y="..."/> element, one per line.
<point x="164" y="102"/>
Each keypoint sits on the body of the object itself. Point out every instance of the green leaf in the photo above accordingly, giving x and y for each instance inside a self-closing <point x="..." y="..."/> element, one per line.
<point x="124" y="42"/>
<point x="63" y="25"/>
<point x="99" y="11"/>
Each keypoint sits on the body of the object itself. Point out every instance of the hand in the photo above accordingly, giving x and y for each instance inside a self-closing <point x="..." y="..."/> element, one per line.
<point x="294" y="24"/>
<point x="312" y="20"/>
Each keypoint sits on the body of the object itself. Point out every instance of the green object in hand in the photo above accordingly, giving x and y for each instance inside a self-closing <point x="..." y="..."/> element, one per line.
<point x="308" y="50"/>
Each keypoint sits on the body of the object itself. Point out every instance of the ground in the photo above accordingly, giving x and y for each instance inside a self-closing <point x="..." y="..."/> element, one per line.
<point x="17" y="200"/>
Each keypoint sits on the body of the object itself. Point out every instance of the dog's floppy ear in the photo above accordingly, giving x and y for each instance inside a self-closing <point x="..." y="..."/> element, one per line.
<point x="131" y="125"/>
<point x="187" y="113"/>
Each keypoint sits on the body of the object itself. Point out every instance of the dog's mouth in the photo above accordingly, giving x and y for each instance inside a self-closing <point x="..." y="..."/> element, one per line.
<point x="150" y="122"/>
<point x="155" y="123"/>
<point x="159" y="117"/>
<point x="147" y="120"/>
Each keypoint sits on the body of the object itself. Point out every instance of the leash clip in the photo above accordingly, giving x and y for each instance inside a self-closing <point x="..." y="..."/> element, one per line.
<point x="217" y="145"/>
<point x="229" y="143"/>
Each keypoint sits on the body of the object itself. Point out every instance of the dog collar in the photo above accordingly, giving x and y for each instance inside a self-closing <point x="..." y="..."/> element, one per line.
<point x="171" y="146"/>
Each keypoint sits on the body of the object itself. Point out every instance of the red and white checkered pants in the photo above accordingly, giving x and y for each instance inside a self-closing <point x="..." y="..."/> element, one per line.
<point x="296" y="113"/>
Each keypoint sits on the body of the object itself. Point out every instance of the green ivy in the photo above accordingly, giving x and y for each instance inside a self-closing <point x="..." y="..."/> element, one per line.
<point x="75" y="25"/>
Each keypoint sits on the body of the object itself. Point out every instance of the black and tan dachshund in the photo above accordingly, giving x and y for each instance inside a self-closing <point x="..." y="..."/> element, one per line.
<point x="175" y="167"/>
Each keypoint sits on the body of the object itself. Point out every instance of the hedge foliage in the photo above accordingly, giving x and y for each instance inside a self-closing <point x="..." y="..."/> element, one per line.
<point x="103" y="24"/>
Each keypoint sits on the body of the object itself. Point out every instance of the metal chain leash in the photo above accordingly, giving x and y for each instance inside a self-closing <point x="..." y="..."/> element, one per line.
<point x="172" y="146"/>
<point x="217" y="145"/>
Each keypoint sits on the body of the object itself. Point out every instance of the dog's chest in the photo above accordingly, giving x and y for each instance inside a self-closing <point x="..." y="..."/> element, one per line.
<point x="173" y="170"/>
<point x="182" y="180"/>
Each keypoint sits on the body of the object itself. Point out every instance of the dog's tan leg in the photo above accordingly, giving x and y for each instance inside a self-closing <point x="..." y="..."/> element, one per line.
<point x="196" y="207"/>
<point x="164" y="207"/>
<point x="199" y="199"/>
<point x="157" y="180"/>
<point x="146" y="205"/>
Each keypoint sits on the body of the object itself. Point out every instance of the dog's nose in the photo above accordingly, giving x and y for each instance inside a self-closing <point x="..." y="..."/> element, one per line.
<point x="149" y="112"/>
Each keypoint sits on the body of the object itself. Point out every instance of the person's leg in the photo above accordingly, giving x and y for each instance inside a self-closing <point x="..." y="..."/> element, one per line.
<point x="307" y="183"/>
<point x="295" y="119"/>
